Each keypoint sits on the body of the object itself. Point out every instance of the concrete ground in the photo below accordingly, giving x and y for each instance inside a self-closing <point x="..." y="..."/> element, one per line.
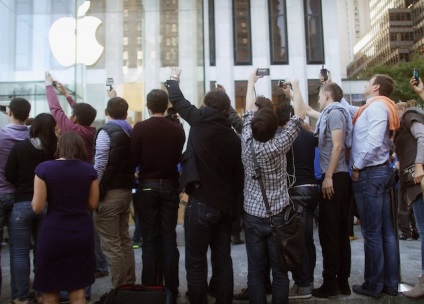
<point x="410" y="263"/>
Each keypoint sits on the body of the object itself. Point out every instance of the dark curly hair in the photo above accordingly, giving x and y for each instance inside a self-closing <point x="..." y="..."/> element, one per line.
<point x="218" y="100"/>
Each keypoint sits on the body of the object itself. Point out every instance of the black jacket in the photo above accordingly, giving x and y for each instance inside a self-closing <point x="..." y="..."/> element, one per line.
<point x="211" y="165"/>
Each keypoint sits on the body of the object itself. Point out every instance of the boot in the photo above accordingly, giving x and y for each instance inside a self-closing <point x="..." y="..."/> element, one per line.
<point x="418" y="290"/>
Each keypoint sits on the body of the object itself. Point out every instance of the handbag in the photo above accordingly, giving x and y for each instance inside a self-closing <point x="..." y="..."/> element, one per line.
<point x="407" y="176"/>
<point x="288" y="237"/>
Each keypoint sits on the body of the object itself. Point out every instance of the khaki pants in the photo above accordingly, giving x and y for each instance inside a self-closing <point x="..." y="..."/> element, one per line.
<point x="111" y="222"/>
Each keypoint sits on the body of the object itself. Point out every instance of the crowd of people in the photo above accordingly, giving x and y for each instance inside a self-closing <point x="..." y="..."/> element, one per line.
<point x="67" y="187"/>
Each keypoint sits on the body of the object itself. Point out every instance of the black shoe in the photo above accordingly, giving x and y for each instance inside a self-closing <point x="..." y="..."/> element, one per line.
<point x="326" y="290"/>
<point x="391" y="292"/>
<point x="405" y="237"/>
<point x="361" y="289"/>
<point x="344" y="287"/>
<point x="243" y="295"/>
<point x="415" y="235"/>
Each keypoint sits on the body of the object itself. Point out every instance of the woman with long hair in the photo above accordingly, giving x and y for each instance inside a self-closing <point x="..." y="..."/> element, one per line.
<point x="65" y="250"/>
<point x="24" y="223"/>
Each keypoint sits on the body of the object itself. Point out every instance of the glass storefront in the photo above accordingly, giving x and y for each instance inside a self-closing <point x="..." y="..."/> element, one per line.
<point x="82" y="43"/>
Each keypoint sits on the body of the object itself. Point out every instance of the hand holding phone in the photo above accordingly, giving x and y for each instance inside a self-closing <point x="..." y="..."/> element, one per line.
<point x="3" y="109"/>
<point x="416" y="76"/>
<point x="324" y="73"/>
<point x="109" y="83"/>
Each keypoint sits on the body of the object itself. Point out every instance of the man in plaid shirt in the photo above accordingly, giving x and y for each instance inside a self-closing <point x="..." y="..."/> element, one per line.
<point x="270" y="149"/>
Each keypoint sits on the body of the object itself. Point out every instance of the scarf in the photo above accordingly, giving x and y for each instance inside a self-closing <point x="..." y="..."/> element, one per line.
<point x="394" y="122"/>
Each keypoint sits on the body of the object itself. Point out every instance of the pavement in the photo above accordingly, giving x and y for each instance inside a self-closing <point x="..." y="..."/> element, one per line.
<point x="410" y="252"/>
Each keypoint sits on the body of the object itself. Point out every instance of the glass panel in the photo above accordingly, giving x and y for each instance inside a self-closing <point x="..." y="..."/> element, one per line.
<point x="242" y="38"/>
<point x="240" y="90"/>
<point x="313" y="31"/>
<point x="278" y="31"/>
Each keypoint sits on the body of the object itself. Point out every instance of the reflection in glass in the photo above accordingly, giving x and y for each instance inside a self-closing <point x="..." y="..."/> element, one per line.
<point x="242" y="39"/>
<point x="313" y="31"/>
<point x="278" y="31"/>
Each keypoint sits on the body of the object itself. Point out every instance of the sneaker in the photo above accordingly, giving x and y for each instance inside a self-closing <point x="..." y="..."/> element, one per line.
<point x="297" y="292"/>
<point x="353" y="237"/>
<point x="136" y="245"/>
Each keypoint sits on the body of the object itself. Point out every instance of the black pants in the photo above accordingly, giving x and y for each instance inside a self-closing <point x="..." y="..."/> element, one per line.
<point x="334" y="229"/>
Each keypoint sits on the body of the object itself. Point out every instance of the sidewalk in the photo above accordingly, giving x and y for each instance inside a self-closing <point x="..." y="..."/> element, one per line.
<point x="410" y="263"/>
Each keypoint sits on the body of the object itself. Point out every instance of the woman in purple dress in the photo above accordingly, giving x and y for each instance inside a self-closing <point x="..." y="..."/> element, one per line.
<point x="65" y="250"/>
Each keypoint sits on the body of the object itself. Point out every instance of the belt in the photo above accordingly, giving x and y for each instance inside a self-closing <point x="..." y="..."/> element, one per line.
<point x="159" y="181"/>
<point x="306" y="185"/>
<point x="386" y="163"/>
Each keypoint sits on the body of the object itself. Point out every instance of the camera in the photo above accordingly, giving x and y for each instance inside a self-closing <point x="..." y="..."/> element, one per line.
<point x="109" y="83"/>
<point x="262" y="72"/>
<point x="416" y="75"/>
<point x="54" y="84"/>
<point x="283" y="84"/>
<point x="324" y="73"/>
<point x="3" y="109"/>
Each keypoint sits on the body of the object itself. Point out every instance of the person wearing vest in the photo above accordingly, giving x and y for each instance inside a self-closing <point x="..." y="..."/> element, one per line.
<point x="116" y="179"/>
<point x="409" y="142"/>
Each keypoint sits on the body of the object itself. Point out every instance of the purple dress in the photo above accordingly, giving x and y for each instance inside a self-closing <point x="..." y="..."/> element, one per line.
<point x="65" y="248"/>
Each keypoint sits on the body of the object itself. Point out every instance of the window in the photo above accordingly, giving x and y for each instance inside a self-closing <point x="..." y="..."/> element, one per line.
<point x="131" y="46"/>
<point x="212" y="54"/>
<point x="313" y="31"/>
<point x="240" y="93"/>
<point x="242" y="39"/>
<point x="278" y="31"/>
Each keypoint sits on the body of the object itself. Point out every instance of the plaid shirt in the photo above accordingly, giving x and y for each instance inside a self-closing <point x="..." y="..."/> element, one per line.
<point x="271" y="158"/>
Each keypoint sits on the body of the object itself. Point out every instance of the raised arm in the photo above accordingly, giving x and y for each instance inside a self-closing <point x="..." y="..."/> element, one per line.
<point x="298" y="103"/>
<point x="250" y="95"/>
<point x="417" y="87"/>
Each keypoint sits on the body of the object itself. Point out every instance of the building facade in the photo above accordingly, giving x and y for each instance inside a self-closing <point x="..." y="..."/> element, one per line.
<point x="395" y="34"/>
<point x="135" y="42"/>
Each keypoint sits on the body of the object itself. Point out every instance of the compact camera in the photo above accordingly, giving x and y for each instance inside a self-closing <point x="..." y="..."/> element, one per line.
<point x="109" y="83"/>
<point x="262" y="72"/>
<point x="283" y="84"/>
<point x="3" y="109"/>
<point x="416" y="75"/>
<point x="324" y="73"/>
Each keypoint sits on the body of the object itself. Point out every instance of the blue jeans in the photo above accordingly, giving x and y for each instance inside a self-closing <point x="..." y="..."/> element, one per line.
<point x="158" y="214"/>
<point x="372" y="195"/>
<point x="259" y="244"/>
<point x="23" y="223"/>
<point x="418" y="206"/>
<point x="206" y="226"/>
<point x="306" y="198"/>
<point x="6" y="203"/>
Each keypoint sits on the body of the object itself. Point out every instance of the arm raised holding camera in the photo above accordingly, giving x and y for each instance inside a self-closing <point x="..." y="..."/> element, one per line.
<point x="417" y="87"/>
<point x="250" y="94"/>
<point x="298" y="103"/>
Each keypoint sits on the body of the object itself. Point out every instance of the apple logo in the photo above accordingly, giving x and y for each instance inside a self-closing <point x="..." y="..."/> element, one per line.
<point x="67" y="33"/>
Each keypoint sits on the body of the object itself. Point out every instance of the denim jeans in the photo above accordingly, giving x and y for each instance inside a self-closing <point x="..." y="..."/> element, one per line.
<point x="24" y="223"/>
<point x="259" y="244"/>
<point x="372" y="194"/>
<point x="418" y="206"/>
<point x="101" y="261"/>
<point x="158" y="214"/>
<point x="6" y="202"/>
<point x="306" y="198"/>
<point x="206" y="226"/>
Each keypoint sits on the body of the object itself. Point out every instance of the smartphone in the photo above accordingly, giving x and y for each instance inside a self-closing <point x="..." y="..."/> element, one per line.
<point x="3" y="109"/>
<point x="282" y="83"/>
<point x="109" y="83"/>
<point x="324" y="73"/>
<point x="54" y="83"/>
<point x="416" y="75"/>
<point x="262" y="72"/>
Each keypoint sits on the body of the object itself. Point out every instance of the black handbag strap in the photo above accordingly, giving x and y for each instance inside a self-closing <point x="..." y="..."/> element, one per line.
<point x="258" y="177"/>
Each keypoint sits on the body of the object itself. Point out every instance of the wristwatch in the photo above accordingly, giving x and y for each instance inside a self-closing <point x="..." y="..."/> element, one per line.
<point x="354" y="168"/>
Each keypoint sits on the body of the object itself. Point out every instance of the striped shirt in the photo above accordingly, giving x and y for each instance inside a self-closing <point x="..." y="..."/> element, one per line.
<point x="271" y="158"/>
